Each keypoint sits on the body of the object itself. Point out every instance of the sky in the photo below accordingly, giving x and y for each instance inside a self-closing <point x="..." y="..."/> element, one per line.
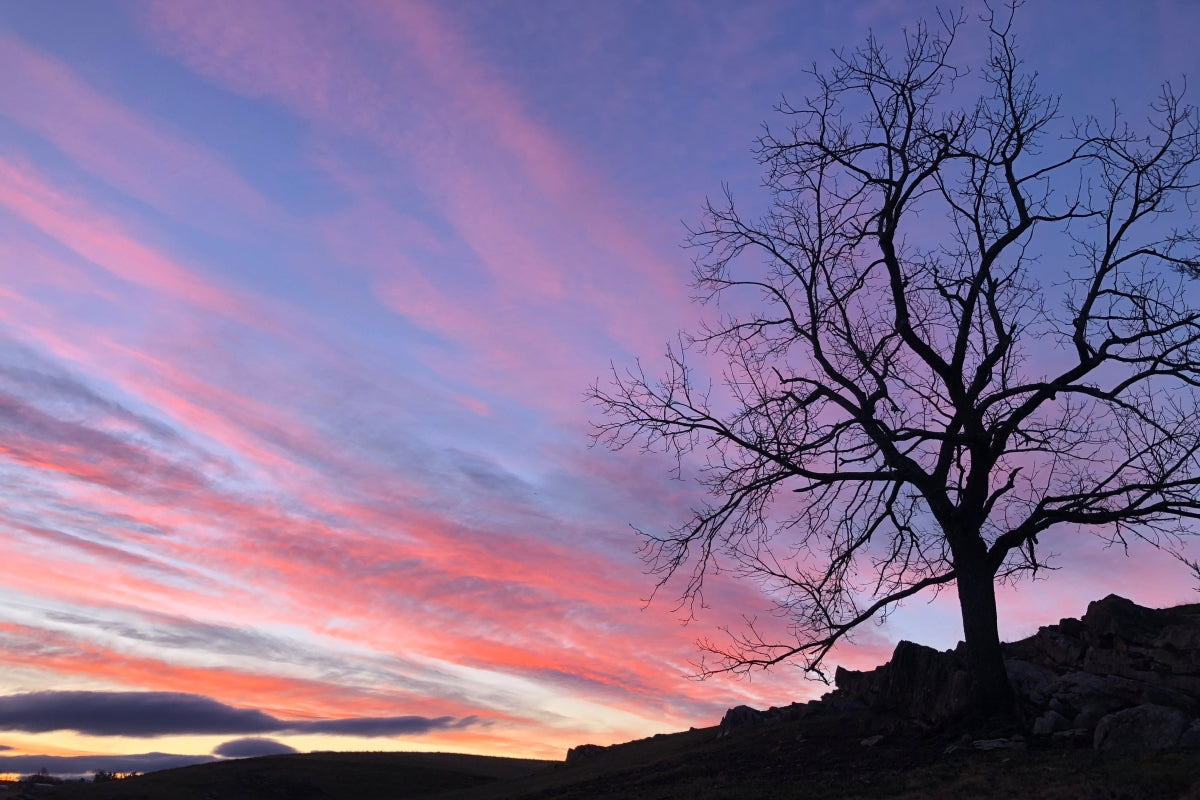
<point x="299" y="302"/>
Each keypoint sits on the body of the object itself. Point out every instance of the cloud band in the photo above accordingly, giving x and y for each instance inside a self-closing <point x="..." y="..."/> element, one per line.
<point x="172" y="713"/>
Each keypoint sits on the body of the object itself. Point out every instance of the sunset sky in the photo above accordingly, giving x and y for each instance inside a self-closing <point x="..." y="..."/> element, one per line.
<point x="299" y="303"/>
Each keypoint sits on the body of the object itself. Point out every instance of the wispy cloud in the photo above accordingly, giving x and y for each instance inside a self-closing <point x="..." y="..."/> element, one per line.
<point x="546" y="235"/>
<point x="147" y="159"/>
<point x="107" y="242"/>
<point x="297" y="310"/>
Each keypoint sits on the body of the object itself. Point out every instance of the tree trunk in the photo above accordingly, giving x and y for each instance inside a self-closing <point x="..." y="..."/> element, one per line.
<point x="991" y="693"/>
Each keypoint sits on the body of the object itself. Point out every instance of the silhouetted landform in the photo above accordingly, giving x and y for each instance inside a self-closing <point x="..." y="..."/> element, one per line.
<point x="1123" y="677"/>
<point x="1110" y="704"/>
<point x="354" y="776"/>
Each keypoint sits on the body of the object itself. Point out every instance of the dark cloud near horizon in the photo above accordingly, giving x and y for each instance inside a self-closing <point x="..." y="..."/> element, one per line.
<point x="4" y="747"/>
<point x="174" y="713"/>
<point x="86" y="765"/>
<point x="128" y="714"/>
<point x="251" y="747"/>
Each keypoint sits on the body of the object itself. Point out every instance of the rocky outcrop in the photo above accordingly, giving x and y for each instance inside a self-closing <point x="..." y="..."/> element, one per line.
<point x="1123" y="677"/>
<point x="584" y="752"/>
<point x="919" y="682"/>
<point x="1144" y="727"/>
<point x="1126" y="676"/>
<point x="740" y="717"/>
<point x="1159" y="647"/>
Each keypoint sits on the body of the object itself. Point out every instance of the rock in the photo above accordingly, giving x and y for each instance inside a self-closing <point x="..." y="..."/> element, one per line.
<point x="963" y="743"/>
<point x="583" y="752"/>
<point x="1071" y="693"/>
<point x="1134" y="669"/>
<point x="1160" y="647"/>
<point x="918" y="682"/>
<point x="739" y="717"/>
<point x="1060" y="647"/>
<point x="1089" y="716"/>
<point x="1114" y="618"/>
<point x="1179" y="637"/>
<point x="1028" y="680"/>
<point x="1144" y="727"/>
<point x="986" y="745"/>
<point x="832" y="703"/>
<point x="1050" y="722"/>
<point x="1191" y="737"/>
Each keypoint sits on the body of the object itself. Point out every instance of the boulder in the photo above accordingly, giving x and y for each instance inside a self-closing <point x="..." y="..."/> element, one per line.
<point x="1088" y="716"/>
<point x="1144" y="727"/>
<point x="1029" y="680"/>
<point x="1191" y="737"/>
<point x="1073" y="692"/>
<point x="987" y="745"/>
<point x="1051" y="722"/>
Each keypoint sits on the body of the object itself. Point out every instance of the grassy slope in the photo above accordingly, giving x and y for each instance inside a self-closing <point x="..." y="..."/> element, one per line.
<point x="815" y="759"/>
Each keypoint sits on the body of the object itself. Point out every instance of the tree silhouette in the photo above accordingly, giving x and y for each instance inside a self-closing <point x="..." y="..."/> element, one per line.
<point x="957" y="328"/>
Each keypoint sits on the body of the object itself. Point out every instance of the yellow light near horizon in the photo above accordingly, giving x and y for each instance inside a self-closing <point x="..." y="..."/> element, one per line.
<point x="474" y="742"/>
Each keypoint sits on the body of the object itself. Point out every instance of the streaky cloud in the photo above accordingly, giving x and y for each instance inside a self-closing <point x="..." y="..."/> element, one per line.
<point x="381" y="726"/>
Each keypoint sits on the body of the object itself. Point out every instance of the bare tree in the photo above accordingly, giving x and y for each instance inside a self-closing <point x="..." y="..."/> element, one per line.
<point x="1191" y="564"/>
<point x="957" y="328"/>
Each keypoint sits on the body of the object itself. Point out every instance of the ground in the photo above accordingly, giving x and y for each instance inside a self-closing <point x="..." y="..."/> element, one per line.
<point x="819" y="758"/>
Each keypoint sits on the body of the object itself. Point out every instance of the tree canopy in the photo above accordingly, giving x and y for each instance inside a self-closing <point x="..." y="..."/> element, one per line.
<point x="963" y="324"/>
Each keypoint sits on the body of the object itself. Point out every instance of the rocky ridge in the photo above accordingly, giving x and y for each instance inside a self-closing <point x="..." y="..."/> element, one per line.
<point x="1123" y="677"/>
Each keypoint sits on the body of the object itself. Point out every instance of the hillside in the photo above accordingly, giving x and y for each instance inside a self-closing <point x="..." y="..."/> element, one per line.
<point x="1109" y="703"/>
<point x="815" y="759"/>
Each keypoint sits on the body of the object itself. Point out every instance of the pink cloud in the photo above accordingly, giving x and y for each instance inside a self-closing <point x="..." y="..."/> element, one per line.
<point x="140" y="156"/>
<point x="421" y="498"/>
<point x="105" y="242"/>
<point x="495" y="601"/>
<point x="561" y="260"/>
<point x="273" y="49"/>
<point x="519" y="195"/>
<point x="478" y="96"/>
<point x="283" y="695"/>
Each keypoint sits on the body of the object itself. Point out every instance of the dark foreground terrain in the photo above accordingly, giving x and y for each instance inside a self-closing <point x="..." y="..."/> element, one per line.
<point x="816" y="758"/>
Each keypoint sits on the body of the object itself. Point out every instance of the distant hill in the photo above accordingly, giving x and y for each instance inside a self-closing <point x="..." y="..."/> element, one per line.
<point x="353" y="776"/>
